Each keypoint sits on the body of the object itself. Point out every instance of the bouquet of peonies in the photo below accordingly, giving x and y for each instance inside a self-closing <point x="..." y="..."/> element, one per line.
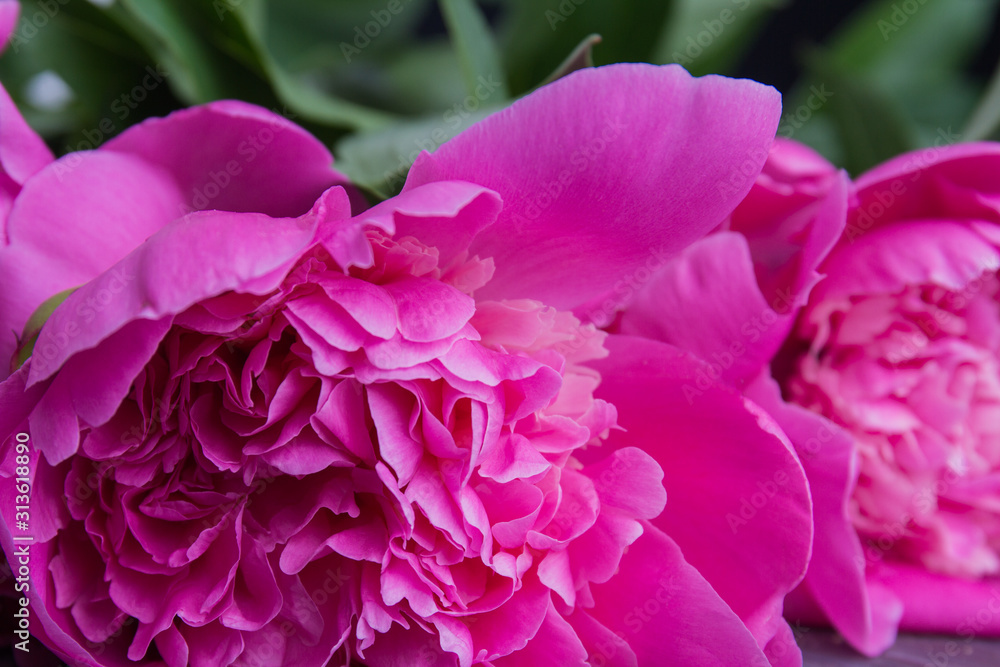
<point x="617" y="378"/>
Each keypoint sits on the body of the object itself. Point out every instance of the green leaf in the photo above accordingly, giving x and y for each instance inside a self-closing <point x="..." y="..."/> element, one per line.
<point x="897" y="75"/>
<point x="474" y="43"/>
<point x="265" y="29"/>
<point x="168" y="34"/>
<point x="98" y="62"/>
<point x="870" y="125"/>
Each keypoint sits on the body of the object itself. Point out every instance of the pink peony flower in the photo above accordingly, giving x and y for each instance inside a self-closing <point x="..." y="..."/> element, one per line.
<point x="898" y="347"/>
<point x="284" y="432"/>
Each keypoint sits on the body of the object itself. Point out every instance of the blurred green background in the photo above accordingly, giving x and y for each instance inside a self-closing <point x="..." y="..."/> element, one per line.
<point x="380" y="80"/>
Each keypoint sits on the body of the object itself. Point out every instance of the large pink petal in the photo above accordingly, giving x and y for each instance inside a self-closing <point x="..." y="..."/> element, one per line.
<point x="234" y="156"/>
<point x="706" y="301"/>
<point x="665" y="609"/>
<point x="836" y="577"/>
<point x="604" y="172"/>
<point x="72" y="221"/>
<point x="738" y="503"/>
<point x="193" y="258"/>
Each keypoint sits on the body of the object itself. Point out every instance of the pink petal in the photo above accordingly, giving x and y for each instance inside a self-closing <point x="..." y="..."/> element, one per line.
<point x="249" y="158"/>
<point x="92" y="385"/>
<point x="193" y="258"/>
<point x="937" y="182"/>
<point x="836" y="576"/>
<point x="919" y="252"/>
<point x="937" y="603"/>
<point x="556" y="643"/>
<point x="9" y="11"/>
<point x="604" y="647"/>
<point x="792" y="217"/>
<point x="738" y="505"/>
<point x="628" y="164"/>
<point x="707" y="301"/>
<point x="451" y="213"/>
<point x="662" y="606"/>
<point x="59" y="236"/>
<point x="22" y="151"/>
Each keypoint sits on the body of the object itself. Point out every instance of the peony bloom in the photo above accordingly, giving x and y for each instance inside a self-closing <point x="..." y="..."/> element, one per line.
<point x="899" y="348"/>
<point x="286" y="432"/>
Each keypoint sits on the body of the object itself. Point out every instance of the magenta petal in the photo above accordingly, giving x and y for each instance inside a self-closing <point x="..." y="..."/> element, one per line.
<point x="662" y="606"/>
<point x="556" y="643"/>
<point x="628" y="163"/>
<point x="604" y="646"/>
<point x="706" y="301"/>
<point x="450" y="212"/>
<point x="791" y="218"/>
<point x="836" y="576"/>
<point x="949" y="182"/>
<point x="429" y="310"/>
<point x="22" y="151"/>
<point x="509" y="627"/>
<point x="59" y="236"/>
<point x="919" y="252"/>
<point x="234" y="156"/>
<point x="738" y="503"/>
<point x="193" y="258"/>
<point x="938" y="603"/>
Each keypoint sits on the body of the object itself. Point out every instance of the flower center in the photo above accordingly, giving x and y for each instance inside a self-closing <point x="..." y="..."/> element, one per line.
<point x="376" y="426"/>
